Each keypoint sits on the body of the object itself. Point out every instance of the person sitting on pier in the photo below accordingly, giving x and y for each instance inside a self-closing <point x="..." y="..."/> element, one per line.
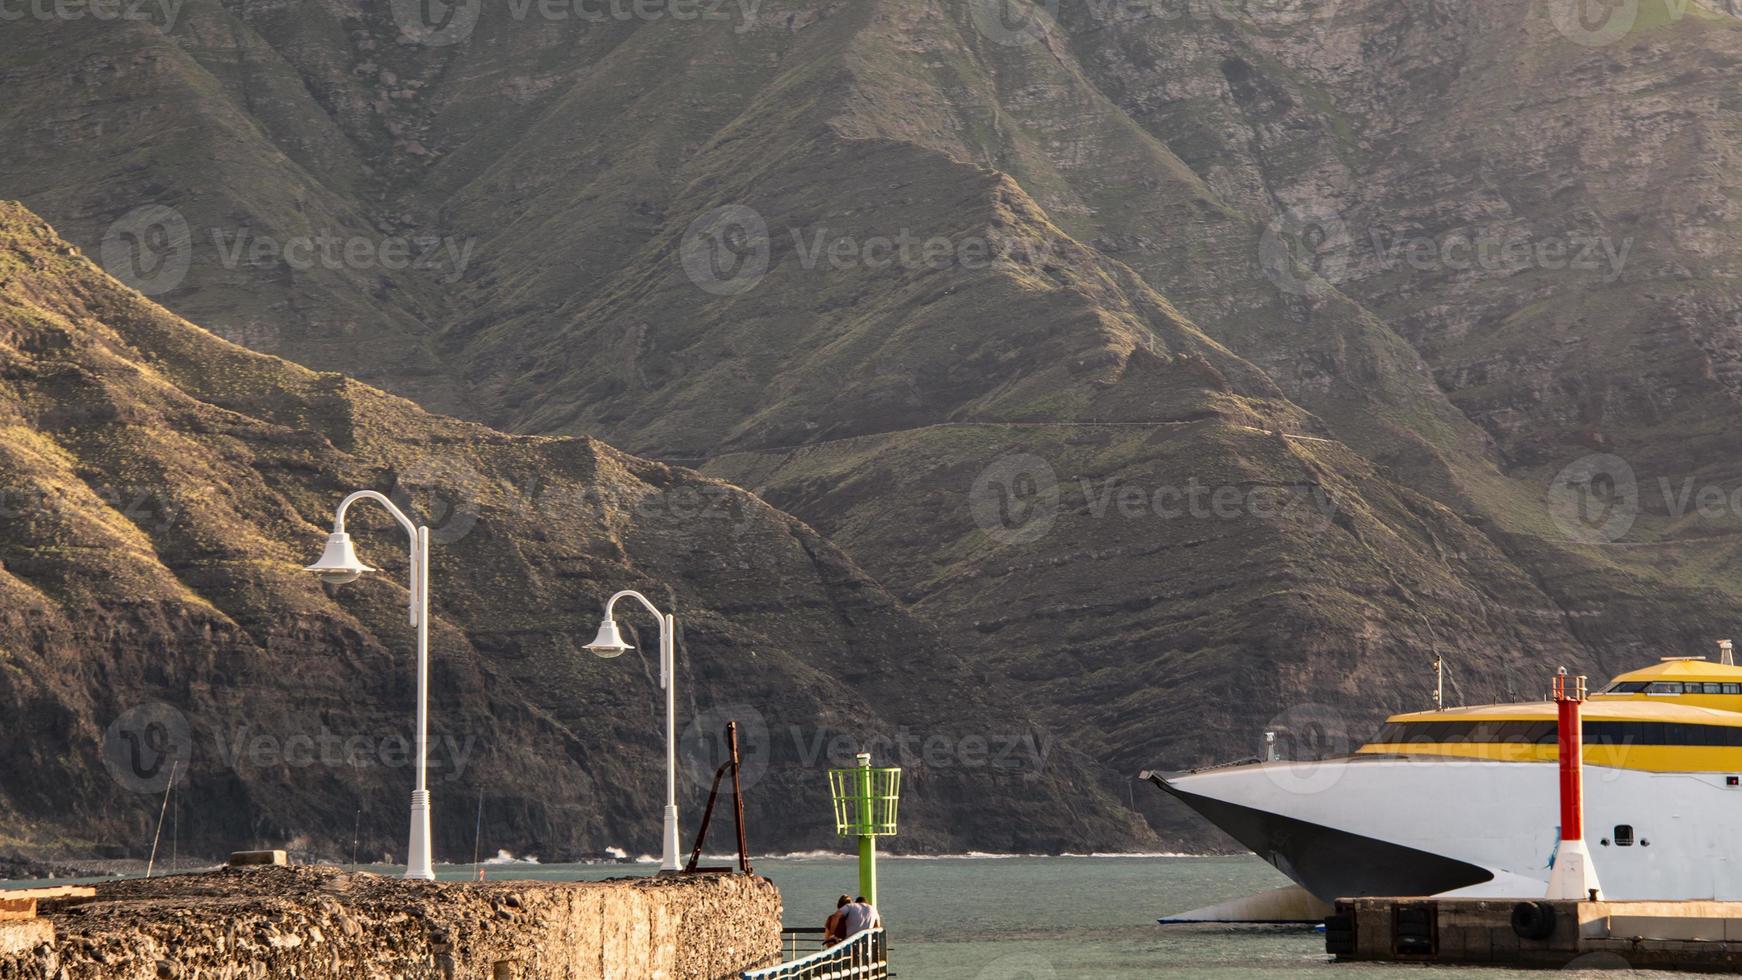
<point x="835" y="930"/>
<point x="860" y="915"/>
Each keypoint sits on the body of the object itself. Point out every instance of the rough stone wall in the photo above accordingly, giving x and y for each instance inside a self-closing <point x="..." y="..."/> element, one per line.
<point x="315" y="922"/>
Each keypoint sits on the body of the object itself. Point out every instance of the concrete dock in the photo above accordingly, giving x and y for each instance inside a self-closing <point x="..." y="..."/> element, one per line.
<point x="1538" y="932"/>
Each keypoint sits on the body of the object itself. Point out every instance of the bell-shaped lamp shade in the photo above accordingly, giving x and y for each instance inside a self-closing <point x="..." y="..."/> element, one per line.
<point x="339" y="563"/>
<point x="608" y="644"/>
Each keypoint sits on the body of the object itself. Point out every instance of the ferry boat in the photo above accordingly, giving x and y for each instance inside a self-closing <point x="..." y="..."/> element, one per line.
<point x="1464" y="801"/>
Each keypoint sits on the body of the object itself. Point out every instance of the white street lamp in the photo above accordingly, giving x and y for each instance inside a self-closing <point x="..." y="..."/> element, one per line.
<point x="609" y="644"/>
<point x="339" y="564"/>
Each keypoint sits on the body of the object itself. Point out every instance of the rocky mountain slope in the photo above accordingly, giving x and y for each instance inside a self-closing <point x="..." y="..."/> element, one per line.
<point x="163" y="488"/>
<point x="1436" y="297"/>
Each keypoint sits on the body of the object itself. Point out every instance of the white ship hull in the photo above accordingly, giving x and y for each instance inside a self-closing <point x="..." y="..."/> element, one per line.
<point x="1385" y="825"/>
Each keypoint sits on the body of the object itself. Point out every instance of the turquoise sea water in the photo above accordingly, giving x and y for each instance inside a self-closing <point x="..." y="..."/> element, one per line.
<point x="1046" y="918"/>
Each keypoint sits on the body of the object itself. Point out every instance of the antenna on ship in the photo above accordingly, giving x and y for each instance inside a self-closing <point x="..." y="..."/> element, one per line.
<point x="1439" y="681"/>
<point x="1726" y="653"/>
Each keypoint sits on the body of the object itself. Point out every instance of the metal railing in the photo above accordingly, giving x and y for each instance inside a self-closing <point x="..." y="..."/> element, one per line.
<point x="862" y="956"/>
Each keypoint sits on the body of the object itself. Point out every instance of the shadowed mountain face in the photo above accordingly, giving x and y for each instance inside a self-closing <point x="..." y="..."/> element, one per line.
<point x="163" y="486"/>
<point x="1193" y="368"/>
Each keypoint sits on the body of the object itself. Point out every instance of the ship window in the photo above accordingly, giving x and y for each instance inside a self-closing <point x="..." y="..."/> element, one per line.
<point x="1714" y="688"/>
<point x="1623" y="835"/>
<point x="1613" y="733"/>
<point x="1630" y="687"/>
<point x="1732" y="688"/>
<point x="1664" y="687"/>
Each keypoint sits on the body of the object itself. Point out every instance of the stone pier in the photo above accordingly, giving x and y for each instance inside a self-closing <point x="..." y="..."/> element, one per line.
<point x="320" y="922"/>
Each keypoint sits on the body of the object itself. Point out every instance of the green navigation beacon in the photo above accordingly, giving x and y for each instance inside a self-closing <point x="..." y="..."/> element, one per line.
<point x="865" y="801"/>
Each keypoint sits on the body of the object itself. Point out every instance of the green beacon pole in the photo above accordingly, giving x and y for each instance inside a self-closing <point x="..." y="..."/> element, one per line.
<point x="865" y="803"/>
<point x="867" y="840"/>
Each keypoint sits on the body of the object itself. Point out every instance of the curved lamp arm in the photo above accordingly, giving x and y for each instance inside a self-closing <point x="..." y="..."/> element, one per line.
<point x="667" y="642"/>
<point x="380" y="498"/>
<point x="632" y="594"/>
<point x="416" y="533"/>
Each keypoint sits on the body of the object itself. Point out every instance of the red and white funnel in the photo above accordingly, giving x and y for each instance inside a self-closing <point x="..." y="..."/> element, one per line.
<point x="1574" y="876"/>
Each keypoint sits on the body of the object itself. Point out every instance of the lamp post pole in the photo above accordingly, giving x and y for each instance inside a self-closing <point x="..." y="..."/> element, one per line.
<point x="338" y="565"/>
<point x="609" y="644"/>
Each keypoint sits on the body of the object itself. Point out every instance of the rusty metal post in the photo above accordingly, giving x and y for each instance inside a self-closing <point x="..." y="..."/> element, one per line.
<point x="738" y="797"/>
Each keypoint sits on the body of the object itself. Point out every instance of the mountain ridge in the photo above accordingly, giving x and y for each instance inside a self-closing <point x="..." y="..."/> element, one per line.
<point x="163" y="479"/>
<point x="1165" y="263"/>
